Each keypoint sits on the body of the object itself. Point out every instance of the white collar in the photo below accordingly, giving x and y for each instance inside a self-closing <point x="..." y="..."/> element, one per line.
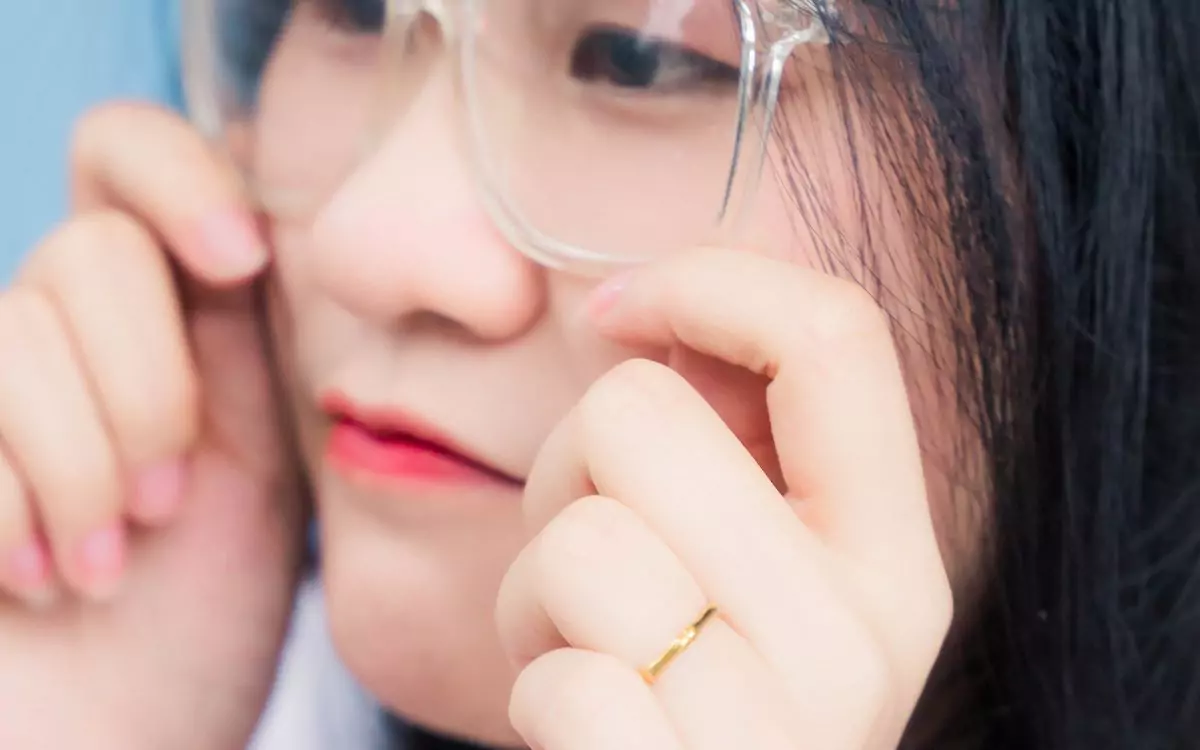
<point x="316" y="704"/>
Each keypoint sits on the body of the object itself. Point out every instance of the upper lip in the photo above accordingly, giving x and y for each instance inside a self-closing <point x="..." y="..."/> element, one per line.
<point x="396" y="423"/>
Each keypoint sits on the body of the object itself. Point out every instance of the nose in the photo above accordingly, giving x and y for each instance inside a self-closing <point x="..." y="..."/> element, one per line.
<point x="406" y="236"/>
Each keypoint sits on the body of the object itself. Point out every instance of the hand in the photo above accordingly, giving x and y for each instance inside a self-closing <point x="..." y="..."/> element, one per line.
<point x="832" y="598"/>
<point x="148" y="526"/>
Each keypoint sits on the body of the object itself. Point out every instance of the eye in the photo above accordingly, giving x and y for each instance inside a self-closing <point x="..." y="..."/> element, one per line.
<point x="353" y="16"/>
<point x="626" y="59"/>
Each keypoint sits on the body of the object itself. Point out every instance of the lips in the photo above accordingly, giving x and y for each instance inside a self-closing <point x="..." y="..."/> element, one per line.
<point x="398" y="448"/>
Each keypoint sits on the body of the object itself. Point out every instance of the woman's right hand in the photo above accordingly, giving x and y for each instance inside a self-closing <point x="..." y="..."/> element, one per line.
<point x="149" y="522"/>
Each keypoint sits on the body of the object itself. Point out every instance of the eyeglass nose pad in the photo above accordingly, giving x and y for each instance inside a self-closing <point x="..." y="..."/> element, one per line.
<point x="410" y="23"/>
<point x="407" y="24"/>
<point x="408" y="10"/>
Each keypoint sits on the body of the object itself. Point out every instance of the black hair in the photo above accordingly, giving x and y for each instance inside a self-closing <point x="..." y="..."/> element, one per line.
<point x="1053" y="153"/>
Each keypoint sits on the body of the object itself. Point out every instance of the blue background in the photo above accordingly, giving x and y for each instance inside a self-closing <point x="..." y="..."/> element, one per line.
<point x="57" y="59"/>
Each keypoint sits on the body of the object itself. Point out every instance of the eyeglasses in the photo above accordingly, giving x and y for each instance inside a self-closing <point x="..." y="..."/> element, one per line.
<point x="601" y="132"/>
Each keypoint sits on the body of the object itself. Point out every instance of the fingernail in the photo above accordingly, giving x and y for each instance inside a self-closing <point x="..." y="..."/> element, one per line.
<point x="606" y="296"/>
<point x="159" y="492"/>
<point x="232" y="239"/>
<point x="101" y="559"/>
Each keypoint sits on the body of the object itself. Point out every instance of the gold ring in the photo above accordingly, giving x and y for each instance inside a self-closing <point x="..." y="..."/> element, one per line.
<point x="681" y="643"/>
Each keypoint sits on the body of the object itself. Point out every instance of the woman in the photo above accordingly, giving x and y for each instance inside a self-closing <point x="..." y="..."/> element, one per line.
<point x="582" y="487"/>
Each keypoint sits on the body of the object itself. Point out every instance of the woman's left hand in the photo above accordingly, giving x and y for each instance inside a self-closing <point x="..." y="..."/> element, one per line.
<point x="832" y="599"/>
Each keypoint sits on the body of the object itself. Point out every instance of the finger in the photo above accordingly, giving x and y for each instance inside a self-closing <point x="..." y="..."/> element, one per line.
<point x="579" y="700"/>
<point x="840" y="414"/>
<point x="55" y="435"/>
<point x="837" y="397"/>
<point x="136" y="158"/>
<point x="598" y="579"/>
<point x="739" y="397"/>
<point x="25" y="567"/>
<point x="150" y="162"/>
<point x="111" y="284"/>
<point x="538" y="610"/>
<point x="644" y="437"/>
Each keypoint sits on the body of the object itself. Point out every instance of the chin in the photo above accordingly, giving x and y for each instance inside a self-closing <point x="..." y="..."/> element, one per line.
<point x="411" y="611"/>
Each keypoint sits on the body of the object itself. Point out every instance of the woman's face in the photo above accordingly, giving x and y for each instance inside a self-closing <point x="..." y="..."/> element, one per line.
<point x="428" y="358"/>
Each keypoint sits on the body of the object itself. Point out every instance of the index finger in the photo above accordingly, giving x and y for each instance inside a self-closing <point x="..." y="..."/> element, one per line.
<point x="149" y="162"/>
<point x="839" y="408"/>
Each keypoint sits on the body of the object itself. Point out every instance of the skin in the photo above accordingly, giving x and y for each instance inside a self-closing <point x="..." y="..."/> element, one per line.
<point x="694" y="432"/>
<point x="205" y="575"/>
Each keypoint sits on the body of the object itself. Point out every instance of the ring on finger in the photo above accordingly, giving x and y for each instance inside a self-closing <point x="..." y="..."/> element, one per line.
<point x="682" y="642"/>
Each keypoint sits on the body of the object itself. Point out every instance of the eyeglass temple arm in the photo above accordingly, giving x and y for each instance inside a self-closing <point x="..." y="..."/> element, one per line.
<point x="801" y="23"/>
<point x="749" y="35"/>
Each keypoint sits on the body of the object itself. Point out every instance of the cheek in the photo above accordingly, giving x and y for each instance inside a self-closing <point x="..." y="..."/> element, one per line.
<point x="316" y="105"/>
<point x="312" y="333"/>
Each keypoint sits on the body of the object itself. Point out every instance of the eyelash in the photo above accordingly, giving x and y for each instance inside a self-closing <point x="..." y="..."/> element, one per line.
<point x="634" y="62"/>
<point x="671" y="68"/>
<point x="353" y="16"/>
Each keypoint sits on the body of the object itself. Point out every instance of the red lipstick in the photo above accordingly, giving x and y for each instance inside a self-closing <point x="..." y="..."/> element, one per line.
<point x="396" y="448"/>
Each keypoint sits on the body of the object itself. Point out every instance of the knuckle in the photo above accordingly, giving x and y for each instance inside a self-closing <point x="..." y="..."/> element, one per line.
<point x="121" y="236"/>
<point x="638" y="377"/>
<point x="526" y="703"/>
<point x="586" y="531"/>
<point x="567" y="686"/>
<point x="26" y="316"/>
<point x="97" y="240"/>
<point x="98" y="125"/>
<point x="594" y="516"/>
<point x="634" y="385"/>
<point x="848" y="313"/>
<point x="91" y="246"/>
<point x="578" y="687"/>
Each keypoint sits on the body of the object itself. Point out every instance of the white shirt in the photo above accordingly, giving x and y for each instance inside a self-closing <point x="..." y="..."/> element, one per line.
<point x="316" y="704"/>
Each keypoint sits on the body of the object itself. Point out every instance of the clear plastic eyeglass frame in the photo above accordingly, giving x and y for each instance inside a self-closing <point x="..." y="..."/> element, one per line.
<point x="770" y="30"/>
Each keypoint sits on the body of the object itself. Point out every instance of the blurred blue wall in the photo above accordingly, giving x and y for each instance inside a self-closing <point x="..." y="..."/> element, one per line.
<point x="57" y="59"/>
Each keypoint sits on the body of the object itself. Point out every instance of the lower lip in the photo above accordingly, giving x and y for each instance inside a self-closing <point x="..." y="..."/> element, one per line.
<point x="358" y="452"/>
